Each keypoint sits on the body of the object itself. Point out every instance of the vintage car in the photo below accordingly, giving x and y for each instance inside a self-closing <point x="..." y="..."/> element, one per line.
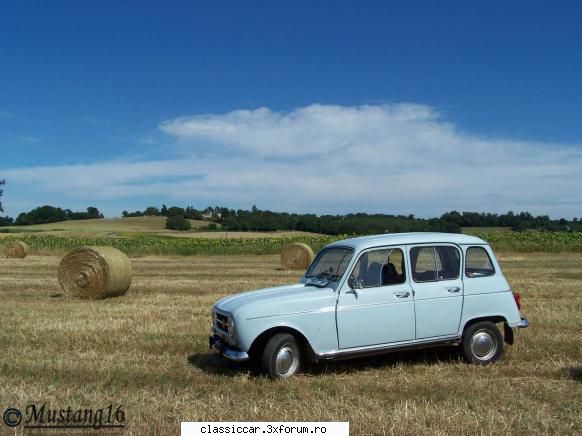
<point x="371" y="295"/>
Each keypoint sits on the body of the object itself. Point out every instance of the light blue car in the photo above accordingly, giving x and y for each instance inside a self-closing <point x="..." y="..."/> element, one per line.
<point x="372" y="295"/>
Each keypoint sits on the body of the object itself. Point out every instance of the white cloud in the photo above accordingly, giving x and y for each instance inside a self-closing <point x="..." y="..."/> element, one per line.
<point x="400" y="158"/>
<point x="304" y="132"/>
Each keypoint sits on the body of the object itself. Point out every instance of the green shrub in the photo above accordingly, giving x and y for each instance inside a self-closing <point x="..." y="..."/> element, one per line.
<point x="178" y="222"/>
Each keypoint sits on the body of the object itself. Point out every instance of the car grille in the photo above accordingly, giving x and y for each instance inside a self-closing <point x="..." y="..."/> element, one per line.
<point x="221" y="322"/>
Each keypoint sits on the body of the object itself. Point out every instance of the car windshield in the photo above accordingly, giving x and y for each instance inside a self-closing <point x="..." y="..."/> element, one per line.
<point x="331" y="263"/>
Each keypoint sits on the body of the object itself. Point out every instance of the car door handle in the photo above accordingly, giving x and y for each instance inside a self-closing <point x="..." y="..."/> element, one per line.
<point x="404" y="294"/>
<point x="454" y="290"/>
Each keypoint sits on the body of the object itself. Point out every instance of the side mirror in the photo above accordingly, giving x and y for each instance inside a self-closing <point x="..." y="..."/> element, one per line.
<point x="354" y="283"/>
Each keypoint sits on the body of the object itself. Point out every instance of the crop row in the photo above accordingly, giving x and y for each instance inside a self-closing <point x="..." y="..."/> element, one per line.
<point x="142" y="245"/>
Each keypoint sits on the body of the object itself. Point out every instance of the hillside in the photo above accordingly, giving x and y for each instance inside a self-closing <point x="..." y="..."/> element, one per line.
<point x="120" y="227"/>
<point x="105" y="227"/>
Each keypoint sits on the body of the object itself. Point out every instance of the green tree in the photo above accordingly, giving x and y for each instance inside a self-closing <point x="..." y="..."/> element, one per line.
<point x="151" y="211"/>
<point x="175" y="211"/>
<point x="2" y="182"/>
<point x="178" y="222"/>
<point x="4" y="221"/>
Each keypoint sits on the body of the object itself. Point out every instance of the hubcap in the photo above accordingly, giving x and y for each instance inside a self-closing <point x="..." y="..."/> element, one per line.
<point x="286" y="362"/>
<point x="483" y="345"/>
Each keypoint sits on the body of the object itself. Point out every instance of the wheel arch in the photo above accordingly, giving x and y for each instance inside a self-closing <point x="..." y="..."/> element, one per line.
<point x="261" y="340"/>
<point x="491" y="318"/>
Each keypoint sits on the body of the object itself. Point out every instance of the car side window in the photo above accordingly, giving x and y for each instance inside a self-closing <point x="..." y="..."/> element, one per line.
<point x="448" y="262"/>
<point x="423" y="264"/>
<point x="478" y="263"/>
<point x="430" y="264"/>
<point x="377" y="268"/>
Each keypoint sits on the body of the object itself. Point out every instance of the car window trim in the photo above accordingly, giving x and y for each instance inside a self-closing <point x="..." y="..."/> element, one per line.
<point x="434" y="245"/>
<point x="488" y="257"/>
<point x="402" y="249"/>
<point x="347" y="247"/>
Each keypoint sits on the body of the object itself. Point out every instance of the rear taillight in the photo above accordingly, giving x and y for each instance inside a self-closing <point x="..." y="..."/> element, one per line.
<point x="517" y="298"/>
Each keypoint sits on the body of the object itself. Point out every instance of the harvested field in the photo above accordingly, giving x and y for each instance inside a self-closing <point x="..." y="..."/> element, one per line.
<point x="147" y="350"/>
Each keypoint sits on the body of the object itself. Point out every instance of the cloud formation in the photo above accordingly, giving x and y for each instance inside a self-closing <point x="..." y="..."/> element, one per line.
<point x="399" y="158"/>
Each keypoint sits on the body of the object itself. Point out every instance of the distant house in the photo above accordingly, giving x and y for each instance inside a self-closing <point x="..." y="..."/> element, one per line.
<point x="209" y="215"/>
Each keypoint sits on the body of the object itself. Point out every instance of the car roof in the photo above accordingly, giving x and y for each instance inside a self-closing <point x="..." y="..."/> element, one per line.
<point x="364" y="242"/>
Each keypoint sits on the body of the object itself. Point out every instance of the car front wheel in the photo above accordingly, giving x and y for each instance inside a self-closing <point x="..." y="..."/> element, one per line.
<point x="482" y="343"/>
<point x="281" y="356"/>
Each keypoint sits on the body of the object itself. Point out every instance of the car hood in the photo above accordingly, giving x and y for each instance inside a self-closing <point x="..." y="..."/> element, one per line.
<point x="275" y="301"/>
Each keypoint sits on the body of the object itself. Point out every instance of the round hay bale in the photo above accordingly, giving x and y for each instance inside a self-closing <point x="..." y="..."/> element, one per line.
<point x="297" y="256"/>
<point x="16" y="249"/>
<point x="93" y="273"/>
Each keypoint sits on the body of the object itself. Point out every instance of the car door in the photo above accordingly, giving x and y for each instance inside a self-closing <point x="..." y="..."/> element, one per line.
<point x="375" y="305"/>
<point x="438" y="289"/>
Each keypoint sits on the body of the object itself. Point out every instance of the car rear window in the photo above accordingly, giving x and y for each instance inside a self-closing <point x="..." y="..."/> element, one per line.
<point x="478" y="263"/>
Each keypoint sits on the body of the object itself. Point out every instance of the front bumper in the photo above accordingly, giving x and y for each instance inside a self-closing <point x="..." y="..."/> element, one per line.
<point x="234" y="355"/>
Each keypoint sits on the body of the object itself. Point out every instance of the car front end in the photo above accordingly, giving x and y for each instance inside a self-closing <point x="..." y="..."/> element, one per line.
<point x="223" y="336"/>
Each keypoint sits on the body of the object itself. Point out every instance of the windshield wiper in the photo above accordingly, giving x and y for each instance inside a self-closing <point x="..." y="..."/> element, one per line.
<point x="320" y="282"/>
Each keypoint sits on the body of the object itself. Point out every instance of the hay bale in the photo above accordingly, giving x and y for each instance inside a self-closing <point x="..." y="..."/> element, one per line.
<point x="297" y="256"/>
<point x="16" y="249"/>
<point x="95" y="272"/>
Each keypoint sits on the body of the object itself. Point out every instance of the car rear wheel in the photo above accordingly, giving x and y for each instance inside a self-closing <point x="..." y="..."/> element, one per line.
<point x="482" y="343"/>
<point x="281" y="356"/>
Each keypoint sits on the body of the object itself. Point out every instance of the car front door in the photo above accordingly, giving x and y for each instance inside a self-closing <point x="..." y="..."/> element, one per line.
<point x="376" y="305"/>
<point x="438" y="289"/>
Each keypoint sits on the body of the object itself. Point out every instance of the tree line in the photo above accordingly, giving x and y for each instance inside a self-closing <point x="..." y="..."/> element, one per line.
<point x="363" y="223"/>
<point x="357" y="223"/>
<point x="50" y="214"/>
<point x="264" y="220"/>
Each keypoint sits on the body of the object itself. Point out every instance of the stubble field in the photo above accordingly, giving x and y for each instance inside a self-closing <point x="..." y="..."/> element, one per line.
<point x="148" y="352"/>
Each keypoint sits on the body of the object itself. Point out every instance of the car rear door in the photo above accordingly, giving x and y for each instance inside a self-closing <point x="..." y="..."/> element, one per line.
<point x="435" y="271"/>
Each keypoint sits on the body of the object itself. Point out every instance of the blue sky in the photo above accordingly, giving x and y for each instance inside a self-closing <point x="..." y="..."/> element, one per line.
<point x="396" y="107"/>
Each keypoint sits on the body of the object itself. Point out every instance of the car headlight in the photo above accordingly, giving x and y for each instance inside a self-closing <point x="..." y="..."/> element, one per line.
<point x="230" y="326"/>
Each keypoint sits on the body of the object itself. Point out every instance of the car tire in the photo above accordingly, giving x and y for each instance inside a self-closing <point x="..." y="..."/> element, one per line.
<point x="482" y="343"/>
<point x="281" y="356"/>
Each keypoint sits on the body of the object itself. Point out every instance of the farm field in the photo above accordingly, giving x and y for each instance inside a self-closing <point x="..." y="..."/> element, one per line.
<point x="228" y="243"/>
<point x="151" y="227"/>
<point x="148" y="352"/>
<point x="104" y="227"/>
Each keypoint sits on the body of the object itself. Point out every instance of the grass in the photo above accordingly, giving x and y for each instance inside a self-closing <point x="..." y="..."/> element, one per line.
<point x="148" y="351"/>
